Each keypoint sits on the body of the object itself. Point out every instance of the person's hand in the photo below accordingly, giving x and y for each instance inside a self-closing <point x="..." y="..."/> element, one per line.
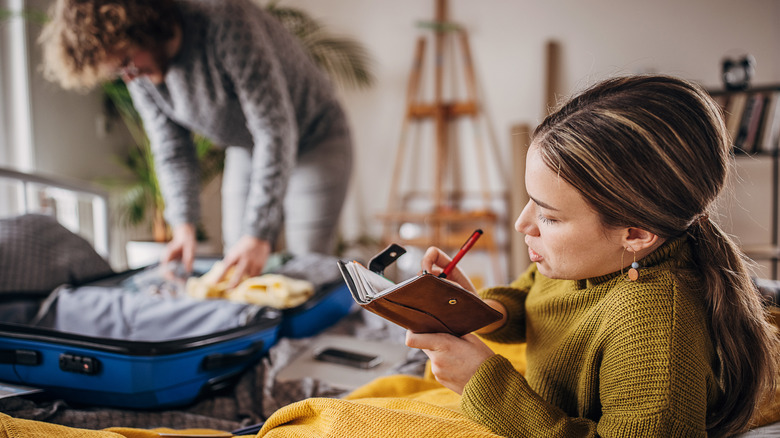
<point x="181" y="247"/>
<point x="434" y="260"/>
<point x="247" y="258"/>
<point x="453" y="360"/>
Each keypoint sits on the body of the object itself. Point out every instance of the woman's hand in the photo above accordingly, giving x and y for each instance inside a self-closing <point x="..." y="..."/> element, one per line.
<point x="453" y="360"/>
<point x="434" y="260"/>
<point x="181" y="246"/>
<point x="247" y="258"/>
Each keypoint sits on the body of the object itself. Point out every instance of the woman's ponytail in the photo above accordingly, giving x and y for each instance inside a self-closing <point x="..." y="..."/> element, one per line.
<point x="739" y="323"/>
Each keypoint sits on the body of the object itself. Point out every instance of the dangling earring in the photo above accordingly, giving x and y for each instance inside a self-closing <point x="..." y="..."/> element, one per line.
<point x="633" y="272"/>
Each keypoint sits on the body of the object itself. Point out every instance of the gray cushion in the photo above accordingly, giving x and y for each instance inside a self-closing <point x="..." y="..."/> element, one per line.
<point x="37" y="254"/>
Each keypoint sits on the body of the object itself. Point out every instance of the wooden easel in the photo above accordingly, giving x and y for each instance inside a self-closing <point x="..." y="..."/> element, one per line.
<point x="447" y="225"/>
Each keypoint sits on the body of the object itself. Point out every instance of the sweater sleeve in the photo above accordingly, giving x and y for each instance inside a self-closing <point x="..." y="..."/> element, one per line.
<point x="513" y="298"/>
<point x="249" y="61"/>
<point x="175" y="160"/>
<point x="500" y="398"/>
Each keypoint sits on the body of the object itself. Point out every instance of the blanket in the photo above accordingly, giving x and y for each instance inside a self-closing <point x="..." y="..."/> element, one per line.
<point x="414" y="406"/>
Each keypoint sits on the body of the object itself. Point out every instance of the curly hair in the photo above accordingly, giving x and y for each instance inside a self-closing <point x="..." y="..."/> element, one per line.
<point x="83" y="34"/>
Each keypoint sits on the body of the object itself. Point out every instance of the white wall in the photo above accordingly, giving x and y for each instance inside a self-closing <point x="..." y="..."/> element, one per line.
<point x="66" y="131"/>
<point x="508" y="37"/>
<point x="14" y="82"/>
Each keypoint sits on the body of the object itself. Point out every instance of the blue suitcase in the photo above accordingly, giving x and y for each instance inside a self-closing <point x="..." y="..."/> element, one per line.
<point x="130" y="374"/>
<point x="328" y="305"/>
<point x="82" y="349"/>
<point x="86" y="365"/>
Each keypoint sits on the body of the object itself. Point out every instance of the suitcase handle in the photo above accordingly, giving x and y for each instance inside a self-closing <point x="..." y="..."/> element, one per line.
<point x="223" y="360"/>
<point x="20" y="357"/>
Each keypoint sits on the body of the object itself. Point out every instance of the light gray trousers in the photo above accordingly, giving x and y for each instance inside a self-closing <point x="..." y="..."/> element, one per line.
<point x="312" y="206"/>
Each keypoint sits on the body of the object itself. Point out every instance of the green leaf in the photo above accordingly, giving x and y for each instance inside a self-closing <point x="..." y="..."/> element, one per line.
<point x="31" y="15"/>
<point x="344" y="60"/>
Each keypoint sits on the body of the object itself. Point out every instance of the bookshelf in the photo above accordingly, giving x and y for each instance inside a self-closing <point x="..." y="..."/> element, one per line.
<point x="753" y="120"/>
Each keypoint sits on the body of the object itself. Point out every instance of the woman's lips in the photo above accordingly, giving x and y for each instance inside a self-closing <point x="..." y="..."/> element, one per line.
<point x="534" y="256"/>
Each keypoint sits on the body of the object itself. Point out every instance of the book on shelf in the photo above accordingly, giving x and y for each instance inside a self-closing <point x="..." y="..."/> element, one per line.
<point x="734" y="111"/>
<point x="770" y="129"/>
<point x="751" y="120"/>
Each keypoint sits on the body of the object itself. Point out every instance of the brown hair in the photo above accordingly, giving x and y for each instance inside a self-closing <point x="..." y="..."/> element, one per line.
<point x="653" y="152"/>
<point x="82" y="34"/>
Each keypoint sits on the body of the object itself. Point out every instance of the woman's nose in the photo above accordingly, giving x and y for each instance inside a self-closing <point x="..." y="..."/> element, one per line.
<point x="525" y="223"/>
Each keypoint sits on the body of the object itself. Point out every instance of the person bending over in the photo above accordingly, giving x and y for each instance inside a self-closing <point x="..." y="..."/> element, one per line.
<point x="229" y="71"/>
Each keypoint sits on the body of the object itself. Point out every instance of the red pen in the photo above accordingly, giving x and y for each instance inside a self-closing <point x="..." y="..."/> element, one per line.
<point x="461" y="252"/>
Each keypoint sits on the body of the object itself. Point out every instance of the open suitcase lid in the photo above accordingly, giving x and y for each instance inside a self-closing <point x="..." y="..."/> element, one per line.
<point x="254" y="319"/>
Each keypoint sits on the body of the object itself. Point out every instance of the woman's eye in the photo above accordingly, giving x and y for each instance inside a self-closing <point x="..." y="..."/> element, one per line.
<point x="546" y="220"/>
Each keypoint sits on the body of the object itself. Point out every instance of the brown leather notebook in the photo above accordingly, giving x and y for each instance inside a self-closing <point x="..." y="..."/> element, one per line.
<point x="422" y="304"/>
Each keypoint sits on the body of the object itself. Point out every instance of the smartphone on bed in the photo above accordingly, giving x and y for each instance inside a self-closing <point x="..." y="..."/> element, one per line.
<point x="349" y="358"/>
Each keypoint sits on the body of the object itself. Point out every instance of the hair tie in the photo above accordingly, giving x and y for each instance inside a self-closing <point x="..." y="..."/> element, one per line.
<point x="698" y="221"/>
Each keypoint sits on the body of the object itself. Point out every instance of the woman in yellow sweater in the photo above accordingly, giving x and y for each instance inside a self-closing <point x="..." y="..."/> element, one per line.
<point x="638" y="312"/>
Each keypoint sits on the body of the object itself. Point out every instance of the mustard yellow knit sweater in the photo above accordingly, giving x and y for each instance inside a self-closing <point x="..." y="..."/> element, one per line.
<point x="606" y="356"/>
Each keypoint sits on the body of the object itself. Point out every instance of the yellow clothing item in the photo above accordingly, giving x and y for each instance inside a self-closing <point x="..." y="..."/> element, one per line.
<point x="371" y="417"/>
<point x="273" y="290"/>
<point x="18" y="428"/>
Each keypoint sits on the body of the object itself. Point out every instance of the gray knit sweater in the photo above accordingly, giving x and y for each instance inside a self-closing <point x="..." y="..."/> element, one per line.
<point x="239" y="79"/>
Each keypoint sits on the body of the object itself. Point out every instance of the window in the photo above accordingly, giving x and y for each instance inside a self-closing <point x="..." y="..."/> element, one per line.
<point x="16" y="143"/>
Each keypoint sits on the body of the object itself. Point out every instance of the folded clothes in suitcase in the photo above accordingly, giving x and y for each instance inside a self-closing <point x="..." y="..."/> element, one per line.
<point x="331" y="300"/>
<point x="133" y="341"/>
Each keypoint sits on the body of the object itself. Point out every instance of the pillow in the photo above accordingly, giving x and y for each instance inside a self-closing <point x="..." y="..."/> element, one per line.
<point x="37" y="254"/>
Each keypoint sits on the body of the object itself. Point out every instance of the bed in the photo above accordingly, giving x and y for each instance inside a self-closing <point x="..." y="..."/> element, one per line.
<point x="270" y="384"/>
<point x="55" y="231"/>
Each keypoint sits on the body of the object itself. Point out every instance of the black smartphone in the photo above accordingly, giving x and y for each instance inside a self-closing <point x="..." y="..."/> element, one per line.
<point x="349" y="358"/>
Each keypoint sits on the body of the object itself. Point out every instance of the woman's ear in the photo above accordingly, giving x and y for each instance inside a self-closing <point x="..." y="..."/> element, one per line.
<point x="638" y="239"/>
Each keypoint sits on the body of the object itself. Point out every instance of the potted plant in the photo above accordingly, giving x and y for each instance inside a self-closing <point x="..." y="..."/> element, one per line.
<point x="32" y="15"/>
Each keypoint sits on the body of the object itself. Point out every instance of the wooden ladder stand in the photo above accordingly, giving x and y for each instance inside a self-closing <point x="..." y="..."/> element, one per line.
<point x="447" y="226"/>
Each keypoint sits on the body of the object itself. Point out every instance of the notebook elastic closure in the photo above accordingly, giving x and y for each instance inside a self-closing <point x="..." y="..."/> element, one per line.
<point x="379" y="262"/>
